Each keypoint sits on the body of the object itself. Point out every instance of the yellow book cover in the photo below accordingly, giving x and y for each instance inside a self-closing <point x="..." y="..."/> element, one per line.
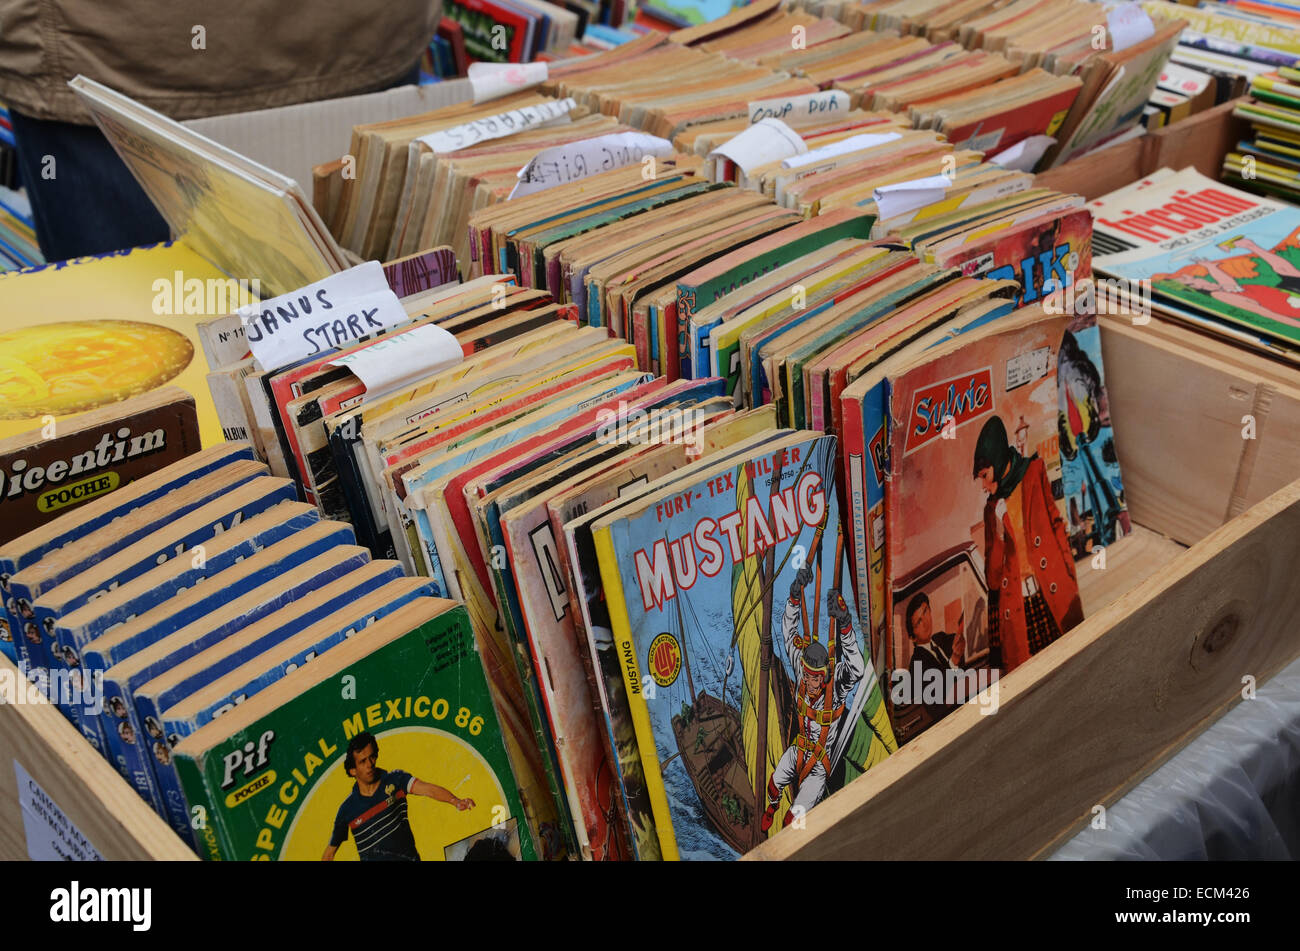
<point x="86" y="333"/>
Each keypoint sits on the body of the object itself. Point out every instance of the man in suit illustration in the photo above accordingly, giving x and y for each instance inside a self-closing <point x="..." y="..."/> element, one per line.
<point x="932" y="650"/>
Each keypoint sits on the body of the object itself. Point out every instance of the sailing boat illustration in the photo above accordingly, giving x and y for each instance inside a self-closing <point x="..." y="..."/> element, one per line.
<point x="721" y="746"/>
<point x="739" y="715"/>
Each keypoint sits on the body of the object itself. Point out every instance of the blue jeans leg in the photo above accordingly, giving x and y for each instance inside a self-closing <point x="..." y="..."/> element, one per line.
<point x="86" y="201"/>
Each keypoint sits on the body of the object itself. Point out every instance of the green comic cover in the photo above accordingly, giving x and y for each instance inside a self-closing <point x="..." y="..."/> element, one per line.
<point x="388" y="749"/>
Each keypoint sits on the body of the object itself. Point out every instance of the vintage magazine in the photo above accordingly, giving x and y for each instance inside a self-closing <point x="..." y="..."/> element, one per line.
<point x="747" y="678"/>
<point x="407" y="765"/>
<point x="1207" y="247"/>
<point x="981" y="570"/>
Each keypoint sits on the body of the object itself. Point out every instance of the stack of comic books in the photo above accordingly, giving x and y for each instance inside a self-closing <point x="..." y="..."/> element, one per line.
<point x="991" y="74"/>
<point x="65" y="465"/>
<point x="1269" y="162"/>
<point x="685" y="398"/>
<point x="163" y="607"/>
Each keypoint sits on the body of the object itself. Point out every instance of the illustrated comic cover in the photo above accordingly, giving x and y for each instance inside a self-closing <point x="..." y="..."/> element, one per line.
<point x="237" y="685"/>
<point x="980" y="565"/>
<point x="747" y="678"/>
<point x="383" y="749"/>
<point x="1041" y="255"/>
<point x="1208" y="247"/>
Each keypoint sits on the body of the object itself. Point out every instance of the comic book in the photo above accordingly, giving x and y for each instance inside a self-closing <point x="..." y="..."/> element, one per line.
<point x="384" y="748"/>
<point x="234" y="686"/>
<point x="76" y="628"/>
<point x="1207" y="247"/>
<point x="181" y="679"/>
<point x="747" y="711"/>
<point x="981" y="571"/>
<point x="28" y="549"/>
<point x="52" y="469"/>
<point x="190" y="629"/>
<point x="1043" y="255"/>
<point x="570" y="513"/>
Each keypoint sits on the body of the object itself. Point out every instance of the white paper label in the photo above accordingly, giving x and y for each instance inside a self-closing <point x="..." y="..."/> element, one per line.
<point x="1189" y="82"/>
<point x="813" y="105"/>
<point x="767" y="140"/>
<point x="494" y="80"/>
<point x="333" y="312"/>
<point x="1129" y="25"/>
<point x="495" y="127"/>
<point x="51" y="835"/>
<point x="1024" y="155"/>
<point x="397" y="358"/>
<point x="902" y="197"/>
<point x="574" y="160"/>
<point x="1028" y="367"/>
<point x="854" y="143"/>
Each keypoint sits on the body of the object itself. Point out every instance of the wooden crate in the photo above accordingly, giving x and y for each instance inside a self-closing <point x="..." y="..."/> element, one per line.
<point x="1198" y="597"/>
<point x="1200" y="141"/>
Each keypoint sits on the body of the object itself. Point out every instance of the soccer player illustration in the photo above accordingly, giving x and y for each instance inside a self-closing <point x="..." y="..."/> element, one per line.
<point x="375" y="814"/>
<point x="1029" y="567"/>
<point x="826" y="677"/>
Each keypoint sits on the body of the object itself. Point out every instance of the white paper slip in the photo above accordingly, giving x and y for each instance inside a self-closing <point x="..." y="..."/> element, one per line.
<point x="1189" y="82"/>
<point x="494" y="80"/>
<point x="813" y="105"/>
<point x="1129" y="25"/>
<point x="409" y="355"/>
<point x="333" y="312"/>
<point x="496" y="127"/>
<point x="854" y="143"/>
<point x="767" y="140"/>
<point x="51" y="835"/>
<point x="1024" y="155"/>
<point x="574" y="160"/>
<point x="902" y="197"/>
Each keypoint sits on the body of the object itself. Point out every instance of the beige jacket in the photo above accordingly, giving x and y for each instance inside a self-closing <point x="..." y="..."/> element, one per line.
<point x="190" y="58"/>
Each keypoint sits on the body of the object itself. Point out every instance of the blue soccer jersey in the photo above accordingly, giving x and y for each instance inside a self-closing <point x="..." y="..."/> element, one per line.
<point x="378" y="822"/>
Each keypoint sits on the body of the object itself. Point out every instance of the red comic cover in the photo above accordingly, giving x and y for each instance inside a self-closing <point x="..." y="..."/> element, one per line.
<point x="1043" y="254"/>
<point x="981" y="572"/>
<point x="477" y="19"/>
<point x="995" y="133"/>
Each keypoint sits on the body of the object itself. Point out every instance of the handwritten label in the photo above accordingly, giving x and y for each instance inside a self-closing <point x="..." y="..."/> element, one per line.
<point x="496" y="127"/>
<point x="903" y="197"/>
<point x="397" y="358"/>
<point x="51" y="835"/>
<point x="813" y="105"/>
<point x="854" y="143"/>
<point x="494" y="80"/>
<point x="767" y="140"/>
<point x="1129" y="25"/>
<point x="574" y="160"/>
<point x="333" y="312"/>
<point x="1024" y="155"/>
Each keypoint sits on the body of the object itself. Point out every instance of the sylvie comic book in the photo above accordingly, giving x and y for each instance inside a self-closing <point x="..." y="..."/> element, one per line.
<point x="981" y="570"/>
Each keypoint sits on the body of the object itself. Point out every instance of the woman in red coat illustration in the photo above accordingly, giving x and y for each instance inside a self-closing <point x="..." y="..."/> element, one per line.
<point x="1033" y="592"/>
